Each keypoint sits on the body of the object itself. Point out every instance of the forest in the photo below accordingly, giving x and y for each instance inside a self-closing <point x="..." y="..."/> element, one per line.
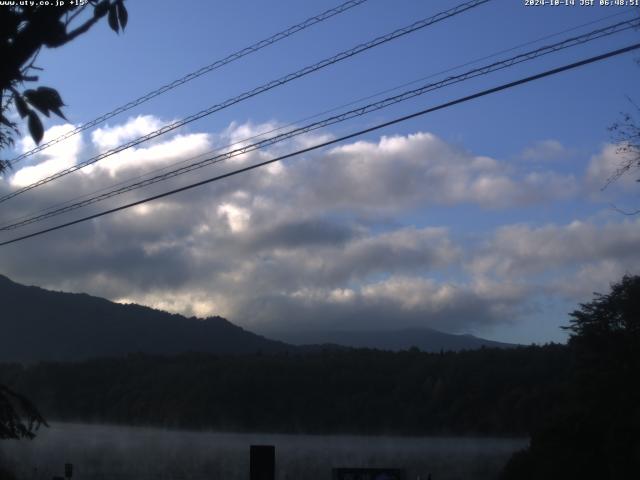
<point x="486" y="391"/>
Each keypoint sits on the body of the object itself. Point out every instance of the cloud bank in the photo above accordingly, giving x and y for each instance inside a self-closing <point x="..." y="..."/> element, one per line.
<point x="335" y="239"/>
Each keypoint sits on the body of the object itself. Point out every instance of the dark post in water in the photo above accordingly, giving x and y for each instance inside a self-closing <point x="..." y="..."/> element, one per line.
<point x="262" y="464"/>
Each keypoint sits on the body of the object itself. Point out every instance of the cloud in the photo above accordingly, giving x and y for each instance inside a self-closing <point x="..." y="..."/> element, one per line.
<point x="179" y="148"/>
<point x="544" y="151"/>
<point x="321" y="240"/>
<point x="97" y="178"/>
<point x="236" y="217"/>
<point x="51" y="160"/>
<point x="396" y="302"/>
<point x="604" y="166"/>
<point x="419" y="169"/>
<point x="573" y="259"/>
<point x="106" y="138"/>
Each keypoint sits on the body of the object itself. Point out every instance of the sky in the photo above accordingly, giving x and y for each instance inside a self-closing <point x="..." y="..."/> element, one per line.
<point x="488" y="217"/>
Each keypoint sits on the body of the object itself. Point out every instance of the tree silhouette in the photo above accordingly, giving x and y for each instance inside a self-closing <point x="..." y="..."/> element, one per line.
<point x="18" y="417"/>
<point x="601" y="327"/>
<point x="24" y="32"/>
<point x="598" y="434"/>
<point x="626" y="134"/>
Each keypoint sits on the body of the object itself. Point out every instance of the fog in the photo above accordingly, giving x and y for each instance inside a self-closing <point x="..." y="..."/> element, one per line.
<point x="111" y="452"/>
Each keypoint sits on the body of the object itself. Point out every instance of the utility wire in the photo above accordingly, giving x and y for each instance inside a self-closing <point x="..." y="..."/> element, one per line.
<point x="509" y="62"/>
<point x="319" y="114"/>
<point x="195" y="74"/>
<point x="379" y="126"/>
<point x="256" y="91"/>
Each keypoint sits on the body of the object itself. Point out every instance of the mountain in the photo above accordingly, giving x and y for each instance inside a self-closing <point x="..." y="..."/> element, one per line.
<point x="426" y="339"/>
<point x="37" y="324"/>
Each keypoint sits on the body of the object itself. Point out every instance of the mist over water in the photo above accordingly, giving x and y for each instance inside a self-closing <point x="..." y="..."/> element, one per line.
<point x="119" y="453"/>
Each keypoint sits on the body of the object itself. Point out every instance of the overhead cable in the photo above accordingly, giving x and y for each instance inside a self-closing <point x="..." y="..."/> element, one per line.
<point x="256" y="91"/>
<point x="379" y="126"/>
<point x="195" y="74"/>
<point x="375" y="106"/>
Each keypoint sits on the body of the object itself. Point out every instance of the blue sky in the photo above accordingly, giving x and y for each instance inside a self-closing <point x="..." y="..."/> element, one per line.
<point x="486" y="217"/>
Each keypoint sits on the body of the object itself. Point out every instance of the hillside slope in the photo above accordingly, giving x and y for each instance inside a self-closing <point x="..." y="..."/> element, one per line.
<point x="38" y="324"/>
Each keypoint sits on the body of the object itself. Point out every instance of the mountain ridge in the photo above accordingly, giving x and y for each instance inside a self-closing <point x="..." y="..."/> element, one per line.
<point x="40" y="325"/>
<point x="423" y="338"/>
<point x="45" y="325"/>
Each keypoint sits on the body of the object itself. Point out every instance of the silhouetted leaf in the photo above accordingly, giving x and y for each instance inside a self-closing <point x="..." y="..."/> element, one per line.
<point x="37" y="101"/>
<point x="35" y="127"/>
<point x="123" y="16"/>
<point x="54" y="33"/>
<point x="46" y="100"/>
<point x="58" y="112"/>
<point x="21" y="106"/>
<point x="113" y="18"/>
<point x="101" y="9"/>
<point x="54" y="98"/>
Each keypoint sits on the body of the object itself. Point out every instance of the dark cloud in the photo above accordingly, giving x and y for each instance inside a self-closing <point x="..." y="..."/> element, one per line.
<point x="286" y="246"/>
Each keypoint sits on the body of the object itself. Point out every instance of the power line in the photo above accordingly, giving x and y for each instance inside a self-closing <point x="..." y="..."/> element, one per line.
<point x="319" y="114"/>
<point x="482" y="93"/>
<point x="309" y="22"/>
<point x="258" y="90"/>
<point x="324" y="112"/>
<point x="484" y="70"/>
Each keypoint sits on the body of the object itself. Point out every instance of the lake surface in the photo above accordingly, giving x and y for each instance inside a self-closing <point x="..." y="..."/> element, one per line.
<point x="122" y="453"/>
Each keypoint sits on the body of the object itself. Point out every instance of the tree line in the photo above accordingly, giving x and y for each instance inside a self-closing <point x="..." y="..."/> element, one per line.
<point x="486" y="391"/>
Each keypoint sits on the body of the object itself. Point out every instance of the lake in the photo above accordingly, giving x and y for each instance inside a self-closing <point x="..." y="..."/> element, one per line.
<point x="120" y="453"/>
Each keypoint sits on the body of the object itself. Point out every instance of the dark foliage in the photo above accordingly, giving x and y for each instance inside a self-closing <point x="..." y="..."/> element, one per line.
<point x="24" y="31"/>
<point x="626" y="134"/>
<point x="487" y="391"/>
<point x="18" y="417"/>
<point x="6" y="473"/>
<point x="598" y="435"/>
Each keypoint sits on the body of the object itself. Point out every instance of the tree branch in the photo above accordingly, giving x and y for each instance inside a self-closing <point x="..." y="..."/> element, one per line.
<point x="75" y="14"/>
<point x="80" y="30"/>
<point x="623" y="212"/>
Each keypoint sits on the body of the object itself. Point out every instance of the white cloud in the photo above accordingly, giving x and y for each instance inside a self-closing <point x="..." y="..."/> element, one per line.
<point x="419" y="169"/>
<point x="323" y="239"/>
<point x="178" y="148"/>
<point x="51" y="160"/>
<point x="545" y="150"/>
<point x="531" y="248"/>
<point x="605" y="165"/>
<point x="237" y="217"/>
<point x="574" y="259"/>
<point x="106" y="138"/>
